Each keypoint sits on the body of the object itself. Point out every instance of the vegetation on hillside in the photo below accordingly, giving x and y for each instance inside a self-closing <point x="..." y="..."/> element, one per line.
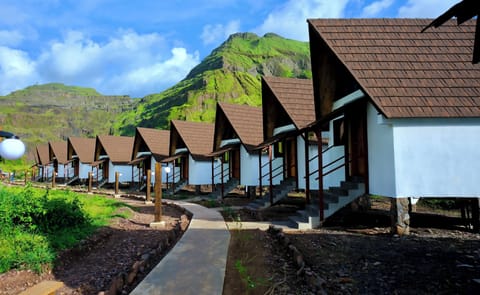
<point x="231" y="73"/>
<point x="54" y="111"/>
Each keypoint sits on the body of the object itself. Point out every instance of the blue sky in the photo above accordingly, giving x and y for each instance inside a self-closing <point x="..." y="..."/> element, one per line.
<point x="145" y="46"/>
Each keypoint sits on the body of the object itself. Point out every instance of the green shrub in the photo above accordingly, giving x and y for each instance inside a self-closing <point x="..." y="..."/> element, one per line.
<point x="36" y="223"/>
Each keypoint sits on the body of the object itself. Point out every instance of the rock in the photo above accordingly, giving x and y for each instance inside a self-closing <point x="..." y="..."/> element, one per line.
<point x="117" y="285"/>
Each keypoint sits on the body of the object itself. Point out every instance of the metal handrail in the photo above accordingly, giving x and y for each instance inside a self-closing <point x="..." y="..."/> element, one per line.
<point x="273" y="170"/>
<point x="328" y="165"/>
<point x="313" y="158"/>
<point x="221" y="172"/>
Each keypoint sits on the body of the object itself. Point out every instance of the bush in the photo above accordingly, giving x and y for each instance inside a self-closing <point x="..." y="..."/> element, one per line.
<point x="34" y="224"/>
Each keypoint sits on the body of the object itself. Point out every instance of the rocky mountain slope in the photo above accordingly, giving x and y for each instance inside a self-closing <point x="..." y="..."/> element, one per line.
<point x="231" y="73"/>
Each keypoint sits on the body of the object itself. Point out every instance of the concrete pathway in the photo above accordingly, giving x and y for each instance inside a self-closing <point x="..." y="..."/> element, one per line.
<point x="196" y="264"/>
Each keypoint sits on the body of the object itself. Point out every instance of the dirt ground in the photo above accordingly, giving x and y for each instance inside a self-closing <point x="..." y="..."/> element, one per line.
<point x="92" y="266"/>
<point x="355" y="253"/>
<point x="352" y="254"/>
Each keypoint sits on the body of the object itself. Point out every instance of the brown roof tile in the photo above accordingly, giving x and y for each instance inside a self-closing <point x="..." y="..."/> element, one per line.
<point x="84" y="148"/>
<point x="246" y="121"/>
<point x="407" y="73"/>
<point x="197" y="136"/>
<point x="296" y="97"/>
<point x="157" y="141"/>
<point x="59" y="151"/>
<point x="43" y="154"/>
<point x="118" y="148"/>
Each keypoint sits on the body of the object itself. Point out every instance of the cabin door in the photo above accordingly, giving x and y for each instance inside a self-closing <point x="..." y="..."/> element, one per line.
<point x="184" y="167"/>
<point x="76" y="167"/>
<point x="291" y="157"/>
<point x="235" y="163"/>
<point x="356" y="149"/>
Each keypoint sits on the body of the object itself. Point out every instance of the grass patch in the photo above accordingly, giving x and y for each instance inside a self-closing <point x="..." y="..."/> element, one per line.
<point x="35" y="224"/>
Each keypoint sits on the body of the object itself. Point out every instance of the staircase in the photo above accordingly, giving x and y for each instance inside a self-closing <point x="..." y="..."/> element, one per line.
<point x="102" y="182"/>
<point x="178" y="187"/>
<point x="279" y="192"/>
<point x="334" y="199"/>
<point x="71" y="180"/>
<point x="227" y="187"/>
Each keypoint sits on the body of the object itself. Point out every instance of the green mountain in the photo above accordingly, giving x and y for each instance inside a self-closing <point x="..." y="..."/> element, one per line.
<point x="51" y="112"/>
<point x="231" y="73"/>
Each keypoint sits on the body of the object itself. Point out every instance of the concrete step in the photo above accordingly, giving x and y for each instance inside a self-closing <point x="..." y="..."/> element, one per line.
<point x="338" y="191"/>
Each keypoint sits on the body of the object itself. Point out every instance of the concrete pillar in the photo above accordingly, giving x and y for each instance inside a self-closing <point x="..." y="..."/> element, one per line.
<point x="475" y="215"/>
<point x="198" y="189"/>
<point x="251" y="192"/>
<point x="400" y="217"/>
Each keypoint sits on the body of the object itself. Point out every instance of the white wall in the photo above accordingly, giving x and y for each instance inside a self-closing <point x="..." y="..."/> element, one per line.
<point x="199" y="172"/>
<point x="313" y="165"/>
<point x="427" y="157"/>
<point x="249" y="171"/>
<point x="60" y="171"/>
<point x="381" y="164"/>
<point x="164" y="174"/>
<point x="125" y="172"/>
<point x="83" y="170"/>
<point x="437" y="157"/>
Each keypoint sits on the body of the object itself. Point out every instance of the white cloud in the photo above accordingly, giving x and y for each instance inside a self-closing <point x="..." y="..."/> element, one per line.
<point x="128" y="63"/>
<point x="17" y="70"/>
<point x="425" y="8"/>
<point x="149" y="76"/>
<point x="10" y="38"/>
<point x="376" y="7"/>
<point x="214" y="34"/>
<point x="289" y="20"/>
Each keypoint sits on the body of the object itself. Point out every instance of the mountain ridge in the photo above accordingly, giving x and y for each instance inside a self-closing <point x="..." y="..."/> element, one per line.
<point x="231" y="73"/>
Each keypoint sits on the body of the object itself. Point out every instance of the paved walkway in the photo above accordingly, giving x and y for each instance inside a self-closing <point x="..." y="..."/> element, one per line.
<point x="196" y="264"/>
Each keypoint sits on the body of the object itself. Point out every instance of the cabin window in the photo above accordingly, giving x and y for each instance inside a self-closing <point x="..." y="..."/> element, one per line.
<point x="278" y="149"/>
<point x="226" y="157"/>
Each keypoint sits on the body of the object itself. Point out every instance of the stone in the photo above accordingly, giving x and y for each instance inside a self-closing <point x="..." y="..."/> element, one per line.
<point x="117" y="285"/>
<point x="159" y="224"/>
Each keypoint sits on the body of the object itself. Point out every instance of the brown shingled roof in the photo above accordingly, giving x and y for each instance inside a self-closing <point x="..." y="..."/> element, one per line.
<point x="296" y="97"/>
<point x="407" y="73"/>
<point x="84" y="148"/>
<point x="244" y="120"/>
<point x="43" y="154"/>
<point x="197" y="136"/>
<point x="118" y="148"/>
<point x="58" y="150"/>
<point x="154" y="140"/>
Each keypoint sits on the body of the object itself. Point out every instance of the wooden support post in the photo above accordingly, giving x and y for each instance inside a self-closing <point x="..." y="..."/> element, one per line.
<point x="54" y="175"/>
<point x="26" y="174"/>
<point x="173" y="177"/>
<point x="307" y="169"/>
<point x="90" y="180"/>
<point x="117" y="174"/>
<point x="260" y="171"/>
<point x="158" y="192"/>
<point x="221" y="167"/>
<point x="318" y="133"/>
<point x="270" y="156"/>
<point x="148" y="186"/>
<point x="213" y="175"/>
